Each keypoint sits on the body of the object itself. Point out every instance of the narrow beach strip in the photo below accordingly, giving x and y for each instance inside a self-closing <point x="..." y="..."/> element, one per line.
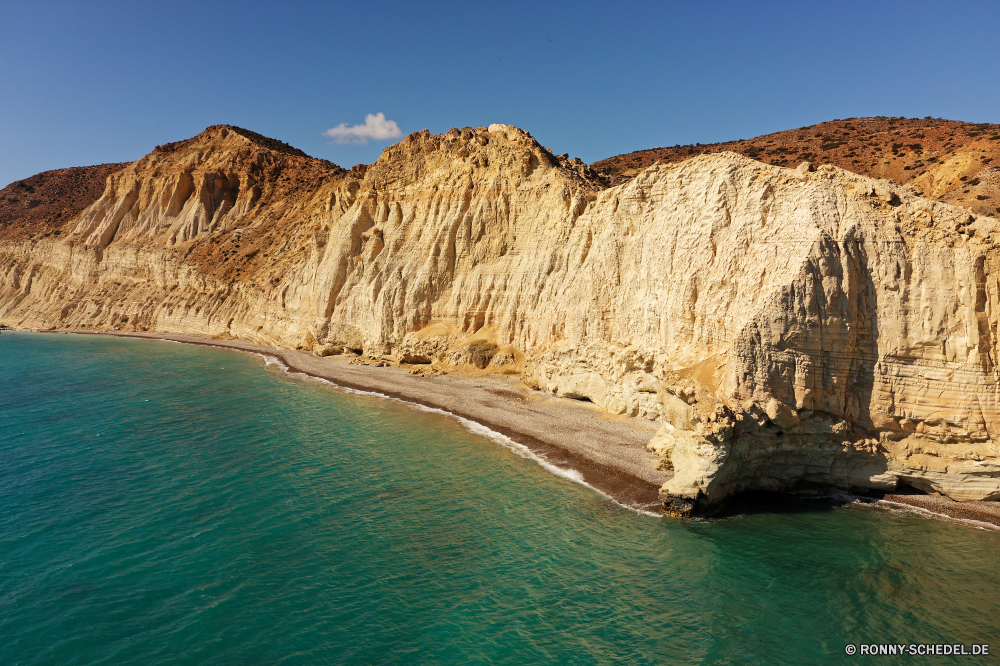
<point x="570" y="438"/>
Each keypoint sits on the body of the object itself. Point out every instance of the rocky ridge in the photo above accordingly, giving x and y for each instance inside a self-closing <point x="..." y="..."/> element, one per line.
<point x="947" y="160"/>
<point x="790" y="328"/>
<point x="39" y="206"/>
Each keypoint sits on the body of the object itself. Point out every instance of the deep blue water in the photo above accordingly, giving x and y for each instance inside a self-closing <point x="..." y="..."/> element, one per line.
<point x="170" y="504"/>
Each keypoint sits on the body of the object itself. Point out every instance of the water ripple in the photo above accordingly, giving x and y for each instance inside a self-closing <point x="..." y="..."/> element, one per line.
<point x="175" y="504"/>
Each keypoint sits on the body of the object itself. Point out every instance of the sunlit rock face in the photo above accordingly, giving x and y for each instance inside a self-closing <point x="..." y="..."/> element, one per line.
<point x="790" y="328"/>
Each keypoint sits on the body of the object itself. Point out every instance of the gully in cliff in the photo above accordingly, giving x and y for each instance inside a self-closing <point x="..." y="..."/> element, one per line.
<point x="764" y="328"/>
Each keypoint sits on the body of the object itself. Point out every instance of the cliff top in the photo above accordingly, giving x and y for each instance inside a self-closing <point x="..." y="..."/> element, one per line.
<point x="221" y="131"/>
<point x="949" y="160"/>
<point x="483" y="147"/>
<point x="952" y="161"/>
<point x="41" y="205"/>
<point x="216" y="133"/>
<point x="47" y="200"/>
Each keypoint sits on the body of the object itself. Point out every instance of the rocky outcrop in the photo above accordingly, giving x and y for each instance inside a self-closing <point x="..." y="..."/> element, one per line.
<point x="791" y="329"/>
<point x="946" y="160"/>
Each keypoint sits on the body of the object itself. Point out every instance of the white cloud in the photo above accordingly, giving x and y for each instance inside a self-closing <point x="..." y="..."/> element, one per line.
<point x="375" y="127"/>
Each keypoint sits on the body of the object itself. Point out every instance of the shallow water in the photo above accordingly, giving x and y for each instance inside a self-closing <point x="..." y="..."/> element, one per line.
<point x="162" y="503"/>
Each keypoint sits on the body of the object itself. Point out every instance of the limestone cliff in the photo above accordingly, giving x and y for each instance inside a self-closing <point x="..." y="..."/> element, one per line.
<point x="947" y="160"/>
<point x="790" y="328"/>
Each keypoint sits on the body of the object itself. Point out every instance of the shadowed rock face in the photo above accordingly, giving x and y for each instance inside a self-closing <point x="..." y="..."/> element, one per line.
<point x="790" y="328"/>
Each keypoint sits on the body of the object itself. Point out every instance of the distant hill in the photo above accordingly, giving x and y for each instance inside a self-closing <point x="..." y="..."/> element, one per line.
<point x="47" y="200"/>
<point x="949" y="160"/>
<point x="40" y="206"/>
<point x="795" y="329"/>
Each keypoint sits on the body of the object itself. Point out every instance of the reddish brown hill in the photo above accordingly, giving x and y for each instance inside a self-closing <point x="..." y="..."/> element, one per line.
<point x="948" y="160"/>
<point x="41" y="204"/>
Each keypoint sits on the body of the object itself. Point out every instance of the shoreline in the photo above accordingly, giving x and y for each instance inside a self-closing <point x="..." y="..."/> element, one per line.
<point x="584" y="444"/>
<point x="579" y="440"/>
<point x="939" y="505"/>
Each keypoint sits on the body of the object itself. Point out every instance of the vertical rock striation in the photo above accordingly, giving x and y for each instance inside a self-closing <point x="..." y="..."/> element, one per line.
<point x="789" y="328"/>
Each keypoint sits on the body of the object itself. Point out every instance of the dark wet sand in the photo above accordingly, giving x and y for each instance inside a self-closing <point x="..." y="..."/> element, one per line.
<point x="984" y="512"/>
<point x="610" y="452"/>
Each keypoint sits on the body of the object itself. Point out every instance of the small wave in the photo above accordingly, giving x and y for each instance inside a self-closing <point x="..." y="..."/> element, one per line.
<point x="470" y="425"/>
<point x="269" y="359"/>
<point x="900" y="507"/>
<point x="889" y="505"/>
<point x="272" y="360"/>
<point x="487" y="432"/>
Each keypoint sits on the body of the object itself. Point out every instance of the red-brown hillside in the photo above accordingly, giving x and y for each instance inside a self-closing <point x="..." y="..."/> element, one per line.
<point x="949" y="160"/>
<point x="41" y="204"/>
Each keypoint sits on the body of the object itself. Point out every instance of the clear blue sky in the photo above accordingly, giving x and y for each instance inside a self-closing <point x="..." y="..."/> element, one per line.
<point x="92" y="82"/>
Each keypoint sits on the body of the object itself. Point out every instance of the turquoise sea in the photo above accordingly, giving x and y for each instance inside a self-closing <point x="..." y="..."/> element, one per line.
<point x="171" y="504"/>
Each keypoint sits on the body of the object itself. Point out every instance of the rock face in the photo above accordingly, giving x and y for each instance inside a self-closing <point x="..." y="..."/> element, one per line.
<point x="790" y="328"/>
<point x="947" y="160"/>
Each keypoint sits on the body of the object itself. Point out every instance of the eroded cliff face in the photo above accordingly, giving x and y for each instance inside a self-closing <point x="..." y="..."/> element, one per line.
<point x="789" y="328"/>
